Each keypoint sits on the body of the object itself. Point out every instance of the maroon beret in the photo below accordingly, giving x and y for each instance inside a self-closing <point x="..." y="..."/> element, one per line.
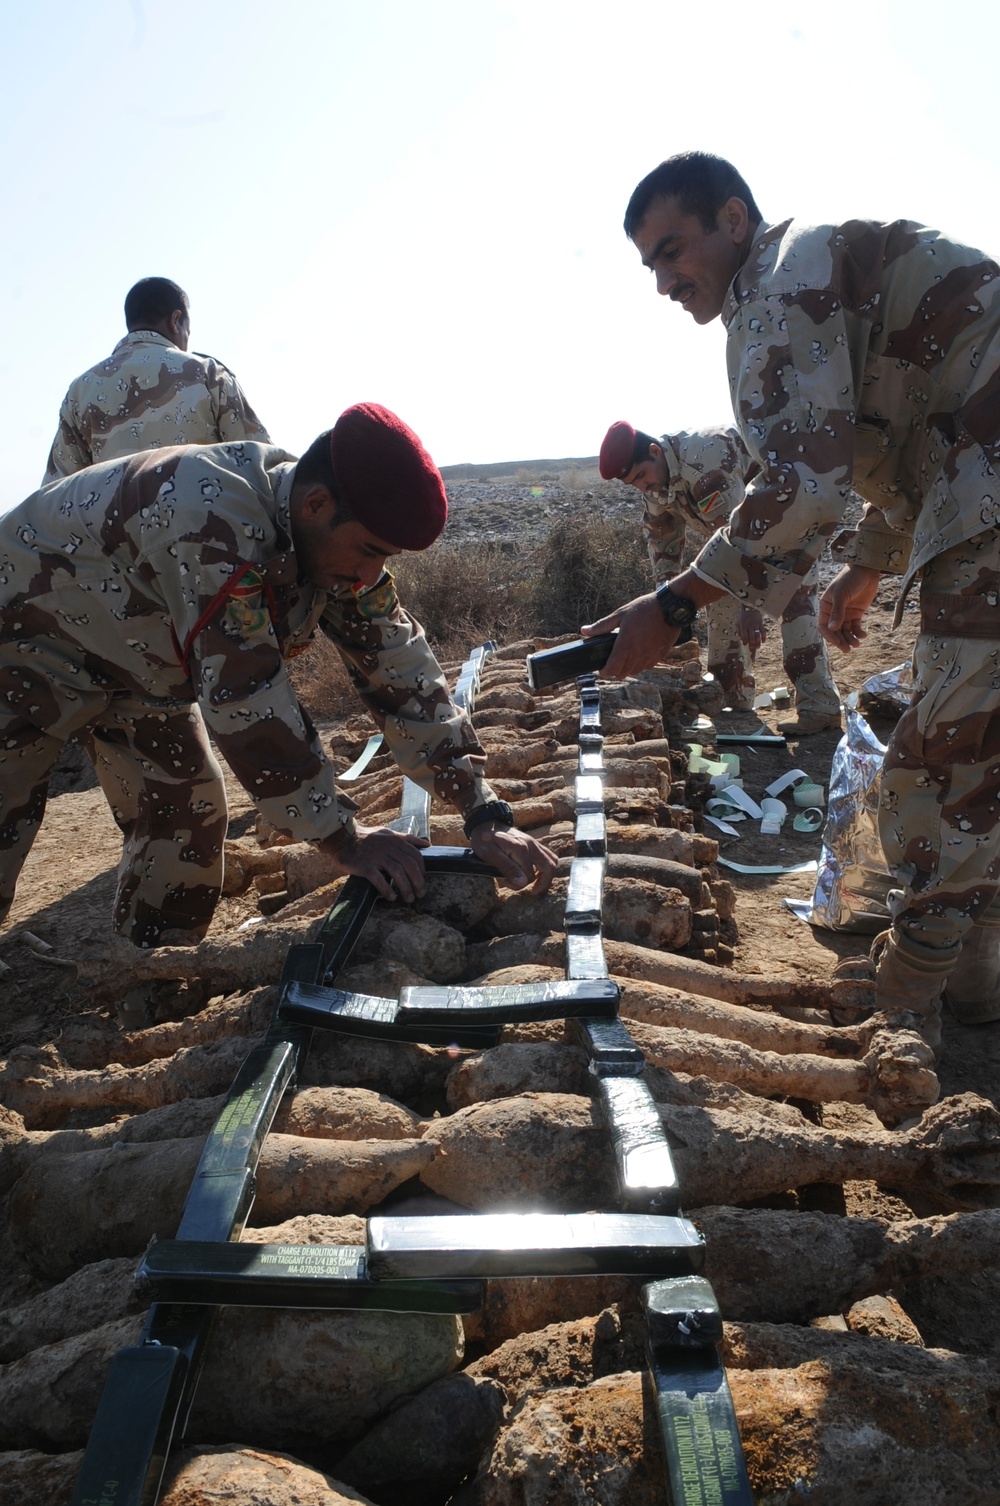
<point x="617" y="451"/>
<point x="386" y="477"/>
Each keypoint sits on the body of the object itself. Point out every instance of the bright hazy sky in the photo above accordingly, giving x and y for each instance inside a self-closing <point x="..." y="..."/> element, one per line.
<point x="419" y="202"/>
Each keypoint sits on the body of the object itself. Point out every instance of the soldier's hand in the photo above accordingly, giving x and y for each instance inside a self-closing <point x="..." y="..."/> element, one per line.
<point x="521" y="860"/>
<point x="751" y="629"/>
<point x="389" y="861"/>
<point x="644" y="639"/>
<point x="844" y="603"/>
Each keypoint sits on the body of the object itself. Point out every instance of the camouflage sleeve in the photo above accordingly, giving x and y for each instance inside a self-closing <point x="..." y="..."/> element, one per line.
<point x="873" y="544"/>
<point x="231" y="652"/>
<point x="234" y="416"/>
<point x="664" y="533"/>
<point x="70" y="452"/>
<point x="793" y="395"/>
<point x="397" y="676"/>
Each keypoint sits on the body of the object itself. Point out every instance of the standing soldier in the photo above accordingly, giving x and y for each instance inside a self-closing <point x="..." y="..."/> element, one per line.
<point x="150" y="392"/>
<point x="153" y="598"/>
<point x="694" y="481"/>
<point x="862" y="355"/>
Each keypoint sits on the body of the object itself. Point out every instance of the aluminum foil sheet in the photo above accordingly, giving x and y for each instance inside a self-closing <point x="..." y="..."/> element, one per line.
<point x="853" y="879"/>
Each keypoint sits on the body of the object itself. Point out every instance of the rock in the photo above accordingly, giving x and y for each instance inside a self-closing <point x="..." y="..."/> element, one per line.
<point x="311" y="1229"/>
<point x="96" y="1294"/>
<point x="68" y="1210"/>
<point x="540" y="1151"/>
<point x="34" y="1479"/>
<point x="883" y="1318"/>
<point x="70" y="1375"/>
<point x="295" y="1380"/>
<point x="509" y="1069"/>
<point x="233" y="1476"/>
<point x="340" y="1113"/>
<point x="460" y="902"/>
<point x="410" y="1074"/>
<point x="576" y="1446"/>
<point x="424" y="1449"/>
<point x="512" y="1308"/>
<point x="564" y="1354"/>
<point x="288" y="1379"/>
<point x="839" y="1419"/>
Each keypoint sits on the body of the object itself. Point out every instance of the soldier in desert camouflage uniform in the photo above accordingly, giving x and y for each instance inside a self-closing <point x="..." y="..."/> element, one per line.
<point x="694" y="481"/>
<point x="863" y="355"/>
<point x="150" y="392"/>
<point x="155" y="600"/>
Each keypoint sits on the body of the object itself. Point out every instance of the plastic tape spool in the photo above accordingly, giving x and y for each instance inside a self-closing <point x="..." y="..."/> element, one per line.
<point x="774" y="813"/>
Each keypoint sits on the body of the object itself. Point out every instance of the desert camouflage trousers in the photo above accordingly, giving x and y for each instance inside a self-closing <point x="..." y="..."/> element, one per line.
<point x="939" y="818"/>
<point x="803" y="653"/>
<point x="166" y="791"/>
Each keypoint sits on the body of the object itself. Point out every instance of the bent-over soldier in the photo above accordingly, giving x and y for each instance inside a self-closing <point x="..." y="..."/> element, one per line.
<point x="154" y="600"/>
<point x="694" y="482"/>
<point x="150" y="392"/>
<point x="865" y="356"/>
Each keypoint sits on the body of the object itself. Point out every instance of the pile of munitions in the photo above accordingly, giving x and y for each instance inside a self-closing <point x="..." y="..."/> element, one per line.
<point x="449" y="1204"/>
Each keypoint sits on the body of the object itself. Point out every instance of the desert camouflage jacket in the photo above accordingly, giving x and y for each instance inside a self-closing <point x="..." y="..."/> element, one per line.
<point x="706" y="479"/>
<point x="147" y="394"/>
<point x="861" y="355"/>
<point x="171" y="576"/>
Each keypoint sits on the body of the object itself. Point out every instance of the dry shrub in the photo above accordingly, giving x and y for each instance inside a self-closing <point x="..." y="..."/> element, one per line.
<point x="320" y="681"/>
<point x="466" y="593"/>
<point x="587" y="566"/>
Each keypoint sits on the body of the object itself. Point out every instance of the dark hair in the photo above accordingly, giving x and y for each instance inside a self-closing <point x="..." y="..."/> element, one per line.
<point x="699" y="182"/>
<point x="152" y="301"/>
<point x="316" y="467"/>
<point x="640" y="450"/>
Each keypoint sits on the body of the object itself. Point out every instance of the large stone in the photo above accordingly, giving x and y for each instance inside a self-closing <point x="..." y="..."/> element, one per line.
<point x="509" y="1069"/>
<point x="457" y="900"/>
<point x="233" y="1476"/>
<point x="31" y="1478"/>
<point x="94" y="1295"/>
<point x="71" y="1210"/>
<point x="539" y="1151"/>
<point x="70" y="1375"/>
<point x="295" y="1380"/>
<point x="286" y="1379"/>
<point x="595" y="1445"/>
<point x="427" y="1447"/>
<point x="566" y="1354"/>
<point x="840" y="1419"/>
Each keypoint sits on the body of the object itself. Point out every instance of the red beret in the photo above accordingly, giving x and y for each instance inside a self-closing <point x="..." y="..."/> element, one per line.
<point x="617" y="451"/>
<point x="386" y="477"/>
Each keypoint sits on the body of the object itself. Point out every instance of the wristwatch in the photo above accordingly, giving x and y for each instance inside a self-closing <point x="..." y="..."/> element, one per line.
<point x="678" y="611"/>
<point x="497" y="811"/>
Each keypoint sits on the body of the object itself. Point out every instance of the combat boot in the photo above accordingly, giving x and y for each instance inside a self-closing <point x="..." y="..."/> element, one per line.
<point x="973" y="992"/>
<point x="909" y="979"/>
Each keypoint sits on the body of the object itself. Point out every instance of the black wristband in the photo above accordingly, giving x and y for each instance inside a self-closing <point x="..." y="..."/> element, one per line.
<point x="497" y="811"/>
<point x="678" y="611"/>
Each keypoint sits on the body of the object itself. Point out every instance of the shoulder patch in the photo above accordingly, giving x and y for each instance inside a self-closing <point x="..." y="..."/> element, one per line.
<point x="380" y="600"/>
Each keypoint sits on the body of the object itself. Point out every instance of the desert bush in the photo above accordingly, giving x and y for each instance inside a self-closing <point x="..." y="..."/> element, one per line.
<point x="466" y="593"/>
<point x="320" y="681"/>
<point x="584" y="568"/>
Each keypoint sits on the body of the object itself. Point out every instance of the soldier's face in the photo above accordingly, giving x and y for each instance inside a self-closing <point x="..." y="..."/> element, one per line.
<point x="650" y="475"/>
<point x="335" y="554"/>
<point x="693" y="266"/>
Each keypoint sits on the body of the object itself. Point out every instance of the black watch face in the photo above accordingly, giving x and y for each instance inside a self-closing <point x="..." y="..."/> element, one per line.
<point x="677" y="610"/>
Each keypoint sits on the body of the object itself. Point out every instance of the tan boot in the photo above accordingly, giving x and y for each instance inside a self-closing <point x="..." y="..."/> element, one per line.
<point x="809" y="723"/>
<point x="908" y="983"/>
<point x="973" y="992"/>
